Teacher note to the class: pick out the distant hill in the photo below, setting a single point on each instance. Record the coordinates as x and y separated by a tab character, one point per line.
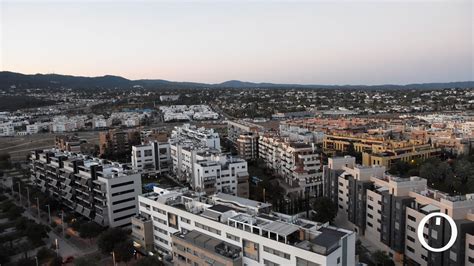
23	81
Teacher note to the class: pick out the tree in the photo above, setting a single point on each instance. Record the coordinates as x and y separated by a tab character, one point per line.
45	254
36	232
4	255
124	251
26	262
89	230
149	261
381	258
325	210
109	238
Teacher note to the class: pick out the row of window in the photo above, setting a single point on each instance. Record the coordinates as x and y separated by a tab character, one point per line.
207	228
276	252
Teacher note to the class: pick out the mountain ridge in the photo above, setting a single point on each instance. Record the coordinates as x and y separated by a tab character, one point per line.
8	79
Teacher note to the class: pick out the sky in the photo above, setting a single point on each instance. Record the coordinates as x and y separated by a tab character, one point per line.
310	42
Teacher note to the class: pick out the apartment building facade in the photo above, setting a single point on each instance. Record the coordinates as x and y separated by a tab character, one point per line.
239	127
102	191
393	208
153	157
183	221
298	164
117	143
222	173
247	146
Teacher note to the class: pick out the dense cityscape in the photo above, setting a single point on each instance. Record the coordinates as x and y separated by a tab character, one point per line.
236	133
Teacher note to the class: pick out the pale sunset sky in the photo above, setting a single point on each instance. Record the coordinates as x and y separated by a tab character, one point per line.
310	42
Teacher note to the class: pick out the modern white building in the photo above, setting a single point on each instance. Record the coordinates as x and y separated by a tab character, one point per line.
105	192
206	137
153	157
221	173
173	221
7	130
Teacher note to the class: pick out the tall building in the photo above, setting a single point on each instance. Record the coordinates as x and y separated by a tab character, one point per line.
153	157
247	146
388	211
222	229
298	164
102	191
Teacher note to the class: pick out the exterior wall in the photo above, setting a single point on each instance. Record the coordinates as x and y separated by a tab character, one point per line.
164	241
153	157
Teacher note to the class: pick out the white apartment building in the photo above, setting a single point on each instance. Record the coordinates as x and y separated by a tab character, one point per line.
221	173
298	164
173	222
100	122
300	134
102	191
206	137
152	157
7	130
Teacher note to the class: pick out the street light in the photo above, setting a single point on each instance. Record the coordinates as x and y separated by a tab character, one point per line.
28	195
19	192
113	257
62	220
57	247
36	259
49	213
38	206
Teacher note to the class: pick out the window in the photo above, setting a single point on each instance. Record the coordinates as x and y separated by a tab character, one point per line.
303	262
172	220
184	220
124	209
232	237
207	228
251	250
370	207
123	192
122	184
411	218
155	209
160	220
124	200
148	152
269	263
410	249
410	238
276	252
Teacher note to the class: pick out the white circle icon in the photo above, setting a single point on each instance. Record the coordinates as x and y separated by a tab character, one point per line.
454	231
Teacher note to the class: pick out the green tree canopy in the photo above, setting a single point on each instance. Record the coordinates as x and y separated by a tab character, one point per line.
109	238
325	210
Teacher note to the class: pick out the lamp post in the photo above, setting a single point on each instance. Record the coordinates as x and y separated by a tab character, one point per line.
19	192
49	213
57	247
36	259
38	206
62	220
113	257
28	197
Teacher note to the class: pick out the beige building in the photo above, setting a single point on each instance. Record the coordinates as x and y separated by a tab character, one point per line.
247	146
